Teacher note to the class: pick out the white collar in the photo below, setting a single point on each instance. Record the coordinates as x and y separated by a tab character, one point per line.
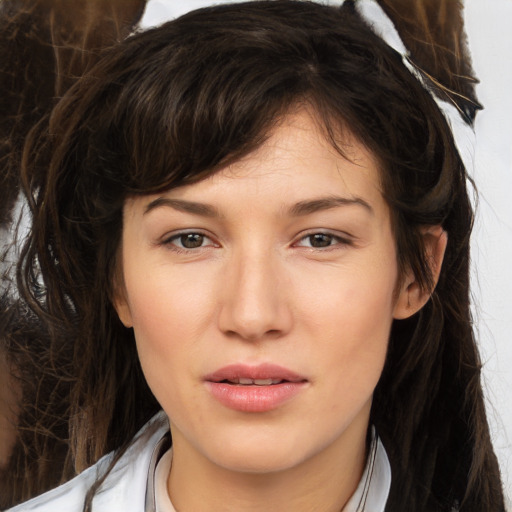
125	487
372	492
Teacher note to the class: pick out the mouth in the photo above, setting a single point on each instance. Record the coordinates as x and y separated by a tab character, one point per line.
260	375
244	381
254	388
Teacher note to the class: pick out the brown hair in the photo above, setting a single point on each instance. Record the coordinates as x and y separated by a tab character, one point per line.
45	46
169	107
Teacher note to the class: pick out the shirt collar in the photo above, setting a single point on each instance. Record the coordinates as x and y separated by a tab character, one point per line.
372	492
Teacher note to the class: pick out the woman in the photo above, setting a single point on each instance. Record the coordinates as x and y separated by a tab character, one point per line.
256	218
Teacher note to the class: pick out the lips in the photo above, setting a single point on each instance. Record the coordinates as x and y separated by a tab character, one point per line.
259	388
243	381
242	374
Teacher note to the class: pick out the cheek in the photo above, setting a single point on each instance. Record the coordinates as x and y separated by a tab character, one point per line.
170	311
360	332
350	314
355	352
166	301
354	301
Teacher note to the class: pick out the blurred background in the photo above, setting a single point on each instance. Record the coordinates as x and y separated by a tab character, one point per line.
490	42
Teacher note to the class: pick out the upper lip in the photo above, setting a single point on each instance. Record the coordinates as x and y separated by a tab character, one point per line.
233	372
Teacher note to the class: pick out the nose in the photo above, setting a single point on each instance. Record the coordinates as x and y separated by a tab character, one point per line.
255	305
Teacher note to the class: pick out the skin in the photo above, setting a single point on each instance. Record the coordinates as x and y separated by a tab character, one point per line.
257	290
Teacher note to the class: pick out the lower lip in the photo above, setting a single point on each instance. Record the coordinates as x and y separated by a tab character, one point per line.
254	398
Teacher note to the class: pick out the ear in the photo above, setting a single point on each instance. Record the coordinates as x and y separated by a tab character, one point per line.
121	305
123	311
412	297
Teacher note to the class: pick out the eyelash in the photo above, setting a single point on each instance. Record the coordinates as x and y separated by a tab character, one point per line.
334	241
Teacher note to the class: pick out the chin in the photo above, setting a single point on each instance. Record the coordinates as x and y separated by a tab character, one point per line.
262	451
258	461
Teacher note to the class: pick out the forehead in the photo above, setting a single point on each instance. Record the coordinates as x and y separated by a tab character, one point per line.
296	163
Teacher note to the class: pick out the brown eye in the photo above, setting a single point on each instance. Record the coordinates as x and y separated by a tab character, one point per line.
324	240
320	240
188	241
191	240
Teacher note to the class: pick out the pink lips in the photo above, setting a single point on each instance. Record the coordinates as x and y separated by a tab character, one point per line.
254	388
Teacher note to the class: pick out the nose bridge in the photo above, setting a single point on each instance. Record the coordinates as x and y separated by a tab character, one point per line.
254	304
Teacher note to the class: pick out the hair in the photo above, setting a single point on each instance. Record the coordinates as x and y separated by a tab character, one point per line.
41	397
171	106
45	46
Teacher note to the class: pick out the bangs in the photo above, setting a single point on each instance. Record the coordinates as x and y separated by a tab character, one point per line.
182	102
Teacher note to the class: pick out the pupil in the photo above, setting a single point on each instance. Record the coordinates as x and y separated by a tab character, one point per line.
192	240
320	240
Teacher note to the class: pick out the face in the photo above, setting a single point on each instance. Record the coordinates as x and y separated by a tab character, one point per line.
261	300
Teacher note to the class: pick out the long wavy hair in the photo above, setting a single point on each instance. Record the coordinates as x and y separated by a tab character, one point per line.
45	46
172	105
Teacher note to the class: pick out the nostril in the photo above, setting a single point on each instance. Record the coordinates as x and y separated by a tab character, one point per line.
254	336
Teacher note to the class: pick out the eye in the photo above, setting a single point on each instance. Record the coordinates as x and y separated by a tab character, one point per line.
188	241
322	240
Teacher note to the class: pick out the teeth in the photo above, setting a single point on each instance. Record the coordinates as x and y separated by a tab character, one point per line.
263	382
244	381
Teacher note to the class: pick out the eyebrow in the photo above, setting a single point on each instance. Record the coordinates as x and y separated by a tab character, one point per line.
299	209
325	203
203	209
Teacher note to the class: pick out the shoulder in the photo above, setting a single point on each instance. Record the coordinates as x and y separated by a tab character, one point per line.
125	487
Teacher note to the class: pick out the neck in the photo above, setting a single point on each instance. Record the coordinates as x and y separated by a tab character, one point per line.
321	483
